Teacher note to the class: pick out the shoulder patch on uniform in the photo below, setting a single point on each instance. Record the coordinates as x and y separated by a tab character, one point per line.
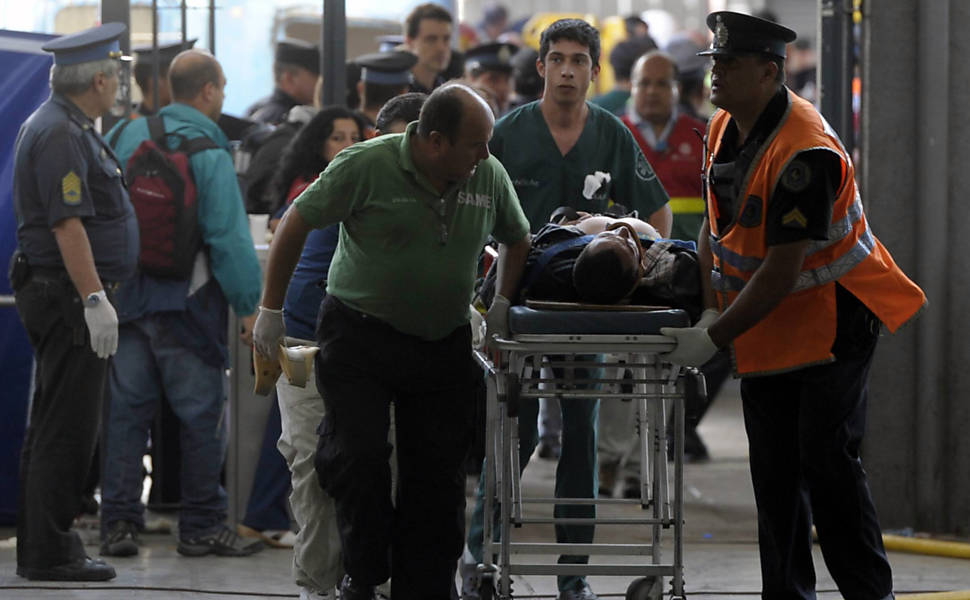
71	189
751	213
794	219
644	170
797	176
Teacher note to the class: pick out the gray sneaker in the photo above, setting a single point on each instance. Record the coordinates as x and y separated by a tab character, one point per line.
221	542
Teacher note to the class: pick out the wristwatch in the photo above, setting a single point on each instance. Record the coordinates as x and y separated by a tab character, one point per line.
92	300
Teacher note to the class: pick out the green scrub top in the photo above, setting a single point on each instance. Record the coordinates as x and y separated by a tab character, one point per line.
544	179
407	254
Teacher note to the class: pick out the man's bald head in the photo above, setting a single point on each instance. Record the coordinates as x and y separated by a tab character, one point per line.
448	107
189	73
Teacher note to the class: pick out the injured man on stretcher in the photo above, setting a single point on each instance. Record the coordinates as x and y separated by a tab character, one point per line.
606	260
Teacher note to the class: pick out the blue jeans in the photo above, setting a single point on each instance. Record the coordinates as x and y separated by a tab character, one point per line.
151	364
576	476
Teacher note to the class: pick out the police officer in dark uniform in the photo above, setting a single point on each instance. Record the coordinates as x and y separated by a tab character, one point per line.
296	67
490	66
383	75
77	239
145	60
802	287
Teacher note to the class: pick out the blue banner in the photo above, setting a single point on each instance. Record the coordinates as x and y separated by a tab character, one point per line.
24	72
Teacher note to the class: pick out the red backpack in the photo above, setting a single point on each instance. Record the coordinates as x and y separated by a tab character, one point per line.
162	190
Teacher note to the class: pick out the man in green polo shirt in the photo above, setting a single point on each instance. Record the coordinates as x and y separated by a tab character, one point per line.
415	210
564	151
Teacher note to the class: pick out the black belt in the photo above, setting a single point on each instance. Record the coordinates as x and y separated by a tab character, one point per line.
60	274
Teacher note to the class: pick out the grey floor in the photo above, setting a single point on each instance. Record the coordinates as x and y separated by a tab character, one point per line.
721	555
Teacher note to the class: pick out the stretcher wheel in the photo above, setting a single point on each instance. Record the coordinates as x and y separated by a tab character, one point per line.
486	587
645	588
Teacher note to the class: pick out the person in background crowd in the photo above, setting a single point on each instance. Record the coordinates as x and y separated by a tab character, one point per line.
525	78
399	112
296	67
172	338
308	154
77	239
427	33
622	58
693	89
316	551
799	287
495	20
144	76
565	150
383	75
636	27
490	66
802	70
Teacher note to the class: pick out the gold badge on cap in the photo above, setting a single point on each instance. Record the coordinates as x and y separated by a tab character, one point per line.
71	189
504	54
720	33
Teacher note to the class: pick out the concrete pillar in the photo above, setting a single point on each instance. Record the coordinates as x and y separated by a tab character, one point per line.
914	179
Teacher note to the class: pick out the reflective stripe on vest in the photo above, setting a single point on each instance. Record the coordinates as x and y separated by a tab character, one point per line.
809	277
687	206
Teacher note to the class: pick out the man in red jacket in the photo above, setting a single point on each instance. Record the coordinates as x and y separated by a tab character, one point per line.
667	139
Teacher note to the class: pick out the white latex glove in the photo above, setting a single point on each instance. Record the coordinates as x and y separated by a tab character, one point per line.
707	318
268	331
497	318
102	322
477	323
694	346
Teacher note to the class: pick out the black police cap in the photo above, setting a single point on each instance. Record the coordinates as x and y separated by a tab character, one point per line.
494	56
736	33
299	53
96	43
387	68
144	55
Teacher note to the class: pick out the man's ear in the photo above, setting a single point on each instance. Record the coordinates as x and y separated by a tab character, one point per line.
541	68
596	72
436	141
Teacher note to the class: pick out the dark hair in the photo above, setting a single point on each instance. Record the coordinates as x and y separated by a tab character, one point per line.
377	95
626	53
442	112
406	107
601	277
412	24
143	74
188	77
301	157
630	24
525	77
576	30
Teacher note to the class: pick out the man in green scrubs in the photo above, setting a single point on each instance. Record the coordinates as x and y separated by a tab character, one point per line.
564	151
415	210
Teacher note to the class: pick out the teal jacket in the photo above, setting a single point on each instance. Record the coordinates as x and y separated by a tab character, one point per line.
236	276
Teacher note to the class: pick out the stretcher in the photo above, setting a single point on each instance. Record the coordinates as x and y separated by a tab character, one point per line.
570	354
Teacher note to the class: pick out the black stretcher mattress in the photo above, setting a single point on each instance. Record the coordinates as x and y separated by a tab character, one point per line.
525	320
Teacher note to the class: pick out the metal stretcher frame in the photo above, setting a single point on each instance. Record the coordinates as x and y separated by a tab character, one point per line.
518	374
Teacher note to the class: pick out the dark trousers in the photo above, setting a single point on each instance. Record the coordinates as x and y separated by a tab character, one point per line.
64	418
364	365
804	432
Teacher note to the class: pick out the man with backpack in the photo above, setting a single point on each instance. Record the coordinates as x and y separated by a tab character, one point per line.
197	259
